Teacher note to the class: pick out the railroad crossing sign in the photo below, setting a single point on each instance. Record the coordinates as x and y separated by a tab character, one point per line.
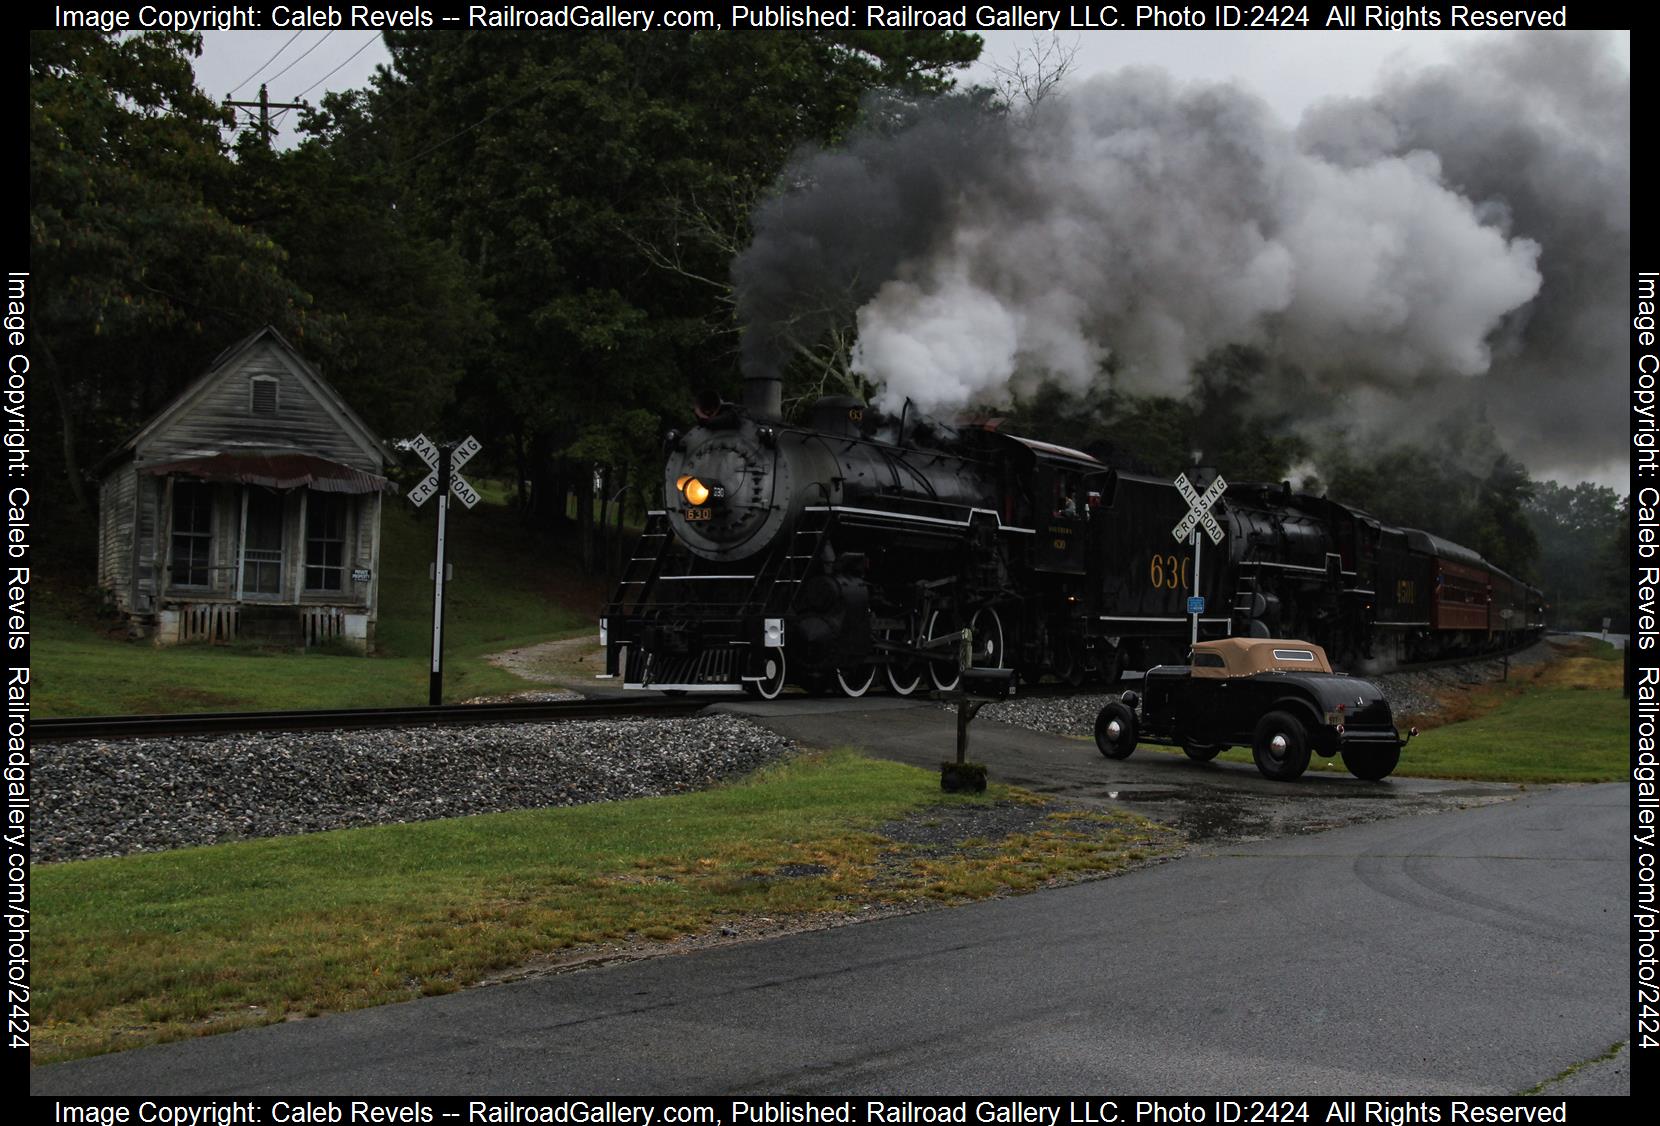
1198	516
444	463
1198	509
433	456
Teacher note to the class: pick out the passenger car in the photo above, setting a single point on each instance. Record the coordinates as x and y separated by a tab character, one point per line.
1278	697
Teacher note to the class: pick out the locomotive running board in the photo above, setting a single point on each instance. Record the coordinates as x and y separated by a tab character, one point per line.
918	518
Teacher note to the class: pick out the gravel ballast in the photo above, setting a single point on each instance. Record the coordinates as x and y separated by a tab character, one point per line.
96	798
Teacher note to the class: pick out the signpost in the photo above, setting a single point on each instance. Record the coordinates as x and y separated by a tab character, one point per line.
1187	528
445	462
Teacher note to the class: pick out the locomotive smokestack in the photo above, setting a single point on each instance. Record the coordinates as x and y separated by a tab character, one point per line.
764	397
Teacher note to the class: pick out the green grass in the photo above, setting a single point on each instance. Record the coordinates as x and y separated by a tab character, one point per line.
1550	735
509	589
157	947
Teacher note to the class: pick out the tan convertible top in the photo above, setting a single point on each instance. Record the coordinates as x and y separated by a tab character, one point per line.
1243	656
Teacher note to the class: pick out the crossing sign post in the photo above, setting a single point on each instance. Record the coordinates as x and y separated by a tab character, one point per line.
445	463
1187	528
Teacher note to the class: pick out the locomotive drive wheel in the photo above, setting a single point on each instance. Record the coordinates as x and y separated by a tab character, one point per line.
1115	731
1202	752
904	677
1371	763
944	675
772	672
855	680
1281	747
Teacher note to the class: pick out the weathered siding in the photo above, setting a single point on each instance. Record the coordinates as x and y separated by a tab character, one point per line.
221	416
147	558
115	534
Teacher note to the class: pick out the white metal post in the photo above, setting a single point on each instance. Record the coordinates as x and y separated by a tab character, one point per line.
1195	591
435	694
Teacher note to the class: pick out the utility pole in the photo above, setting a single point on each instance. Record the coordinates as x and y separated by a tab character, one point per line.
265	105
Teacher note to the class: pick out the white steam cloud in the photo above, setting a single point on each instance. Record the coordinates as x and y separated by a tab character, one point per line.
1156	223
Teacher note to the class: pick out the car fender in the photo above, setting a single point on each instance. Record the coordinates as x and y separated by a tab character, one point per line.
1304	708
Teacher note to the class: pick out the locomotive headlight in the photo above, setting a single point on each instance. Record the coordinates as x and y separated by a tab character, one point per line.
696	491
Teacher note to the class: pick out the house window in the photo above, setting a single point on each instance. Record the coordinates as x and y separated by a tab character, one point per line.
262	395
325	541
192	533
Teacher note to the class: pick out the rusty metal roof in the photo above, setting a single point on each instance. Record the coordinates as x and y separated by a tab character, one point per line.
275	471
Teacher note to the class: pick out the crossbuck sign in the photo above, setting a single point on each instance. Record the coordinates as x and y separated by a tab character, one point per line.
444	462
1198	509
1198	516
433	456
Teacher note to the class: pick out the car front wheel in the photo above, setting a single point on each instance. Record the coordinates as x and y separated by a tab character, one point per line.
1115	731
1281	747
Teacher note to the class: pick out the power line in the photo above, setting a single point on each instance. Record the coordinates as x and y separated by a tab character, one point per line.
349	58
537	89
303	54
263	65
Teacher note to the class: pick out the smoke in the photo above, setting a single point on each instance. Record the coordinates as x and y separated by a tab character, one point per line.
1537	130
1460	238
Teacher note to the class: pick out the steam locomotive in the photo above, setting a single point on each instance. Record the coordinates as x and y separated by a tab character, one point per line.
851	551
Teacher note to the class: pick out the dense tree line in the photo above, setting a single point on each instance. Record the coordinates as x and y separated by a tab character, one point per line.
530	238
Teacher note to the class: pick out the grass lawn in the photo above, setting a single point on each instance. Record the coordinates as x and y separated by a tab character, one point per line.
1564	721
194	941
508	590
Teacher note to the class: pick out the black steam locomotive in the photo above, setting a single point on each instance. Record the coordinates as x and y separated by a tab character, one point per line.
852	550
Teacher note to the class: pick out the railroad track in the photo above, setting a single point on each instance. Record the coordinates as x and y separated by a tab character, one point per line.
207	723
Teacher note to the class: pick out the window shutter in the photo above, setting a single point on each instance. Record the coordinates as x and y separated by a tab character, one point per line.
263	395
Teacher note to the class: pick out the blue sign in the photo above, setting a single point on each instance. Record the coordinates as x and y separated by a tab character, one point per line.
1196	605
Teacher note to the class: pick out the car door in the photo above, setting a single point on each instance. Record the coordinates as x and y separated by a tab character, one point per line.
1210	699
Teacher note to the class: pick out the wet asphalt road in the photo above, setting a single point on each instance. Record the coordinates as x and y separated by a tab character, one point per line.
1209	802
1478	947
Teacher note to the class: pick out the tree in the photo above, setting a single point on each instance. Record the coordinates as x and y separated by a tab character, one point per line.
562	169
1584	564
1459	485
138	275
1035	73
406	317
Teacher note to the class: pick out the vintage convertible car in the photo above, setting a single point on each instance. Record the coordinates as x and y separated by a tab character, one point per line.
1280	698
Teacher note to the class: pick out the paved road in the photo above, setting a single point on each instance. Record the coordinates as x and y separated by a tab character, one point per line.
1475	951
1211	802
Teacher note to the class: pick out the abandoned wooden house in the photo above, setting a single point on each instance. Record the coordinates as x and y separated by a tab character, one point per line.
248	508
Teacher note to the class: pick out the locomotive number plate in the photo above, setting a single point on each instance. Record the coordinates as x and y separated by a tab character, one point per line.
700	513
